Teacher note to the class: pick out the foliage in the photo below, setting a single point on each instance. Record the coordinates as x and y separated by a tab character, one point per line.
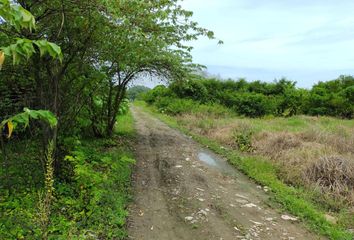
16	15
253	105
90	201
258	99
74	60
156	93
136	92
333	98
244	141
20	18
24	120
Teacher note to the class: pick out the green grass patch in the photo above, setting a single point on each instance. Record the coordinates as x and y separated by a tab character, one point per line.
91	195
294	200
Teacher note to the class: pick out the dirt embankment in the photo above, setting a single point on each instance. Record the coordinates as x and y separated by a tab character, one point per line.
183	191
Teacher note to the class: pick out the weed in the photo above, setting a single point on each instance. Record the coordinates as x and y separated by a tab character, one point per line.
332	174
243	138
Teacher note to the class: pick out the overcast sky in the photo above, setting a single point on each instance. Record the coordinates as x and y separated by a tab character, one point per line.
303	40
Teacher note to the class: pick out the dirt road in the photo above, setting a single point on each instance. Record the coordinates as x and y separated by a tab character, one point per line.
183	191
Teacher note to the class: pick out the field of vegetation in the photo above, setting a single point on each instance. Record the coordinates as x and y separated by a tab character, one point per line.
277	133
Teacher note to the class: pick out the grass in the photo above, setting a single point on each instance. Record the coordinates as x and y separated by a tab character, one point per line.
296	200
91	193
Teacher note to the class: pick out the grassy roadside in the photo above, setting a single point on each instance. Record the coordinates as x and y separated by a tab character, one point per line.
90	196
102	173
292	199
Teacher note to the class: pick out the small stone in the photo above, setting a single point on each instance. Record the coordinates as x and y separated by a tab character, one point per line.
266	189
242	201
241	196
202	212
257	223
287	217
178	166
152	228
201	199
188	159
200	189
330	218
141	213
188	218
250	205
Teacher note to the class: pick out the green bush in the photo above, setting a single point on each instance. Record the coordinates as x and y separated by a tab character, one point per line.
257	99
254	105
175	106
192	89
157	92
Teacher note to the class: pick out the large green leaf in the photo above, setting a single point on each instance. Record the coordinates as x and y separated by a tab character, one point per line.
22	119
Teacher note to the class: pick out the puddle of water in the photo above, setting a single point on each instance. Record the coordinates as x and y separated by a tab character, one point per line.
242	181
204	157
217	163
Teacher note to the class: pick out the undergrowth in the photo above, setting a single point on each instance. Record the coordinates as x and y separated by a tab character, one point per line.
89	202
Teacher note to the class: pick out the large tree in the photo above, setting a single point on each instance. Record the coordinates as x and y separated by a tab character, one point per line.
106	44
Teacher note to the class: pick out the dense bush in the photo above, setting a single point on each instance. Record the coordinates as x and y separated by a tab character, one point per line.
158	92
136	92
253	105
190	89
257	99
333	98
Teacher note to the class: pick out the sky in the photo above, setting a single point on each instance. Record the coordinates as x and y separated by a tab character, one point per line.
303	40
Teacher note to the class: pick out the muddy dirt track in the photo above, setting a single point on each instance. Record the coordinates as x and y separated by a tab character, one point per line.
183	191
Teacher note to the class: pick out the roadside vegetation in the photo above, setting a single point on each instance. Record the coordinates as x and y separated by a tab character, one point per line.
307	160
90	195
65	128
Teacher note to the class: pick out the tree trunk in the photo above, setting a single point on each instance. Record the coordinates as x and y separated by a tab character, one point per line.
117	101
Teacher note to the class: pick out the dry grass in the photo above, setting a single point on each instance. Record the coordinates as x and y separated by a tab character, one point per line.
309	151
334	175
314	158
274	144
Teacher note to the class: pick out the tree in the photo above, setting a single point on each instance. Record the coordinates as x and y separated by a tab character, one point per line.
136	92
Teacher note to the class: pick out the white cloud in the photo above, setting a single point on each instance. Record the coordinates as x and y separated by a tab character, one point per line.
295	37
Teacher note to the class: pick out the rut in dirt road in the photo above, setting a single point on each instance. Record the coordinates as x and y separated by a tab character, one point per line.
182	191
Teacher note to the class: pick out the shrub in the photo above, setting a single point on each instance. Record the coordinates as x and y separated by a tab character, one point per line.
178	106
158	92
243	138
254	105
332	174
192	89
